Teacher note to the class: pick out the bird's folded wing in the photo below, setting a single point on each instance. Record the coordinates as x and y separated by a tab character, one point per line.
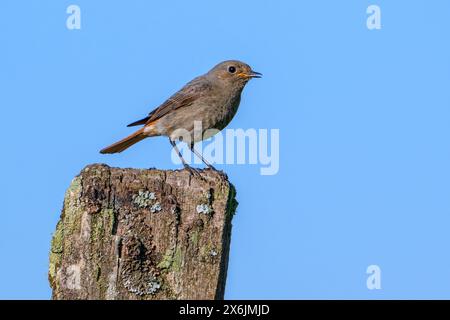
183	98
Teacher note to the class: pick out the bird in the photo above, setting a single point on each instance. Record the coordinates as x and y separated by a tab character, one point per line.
212	99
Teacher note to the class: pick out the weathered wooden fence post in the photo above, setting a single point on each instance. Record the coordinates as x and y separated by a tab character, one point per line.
142	234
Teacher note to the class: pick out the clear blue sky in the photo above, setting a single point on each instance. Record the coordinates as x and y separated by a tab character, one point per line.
364	119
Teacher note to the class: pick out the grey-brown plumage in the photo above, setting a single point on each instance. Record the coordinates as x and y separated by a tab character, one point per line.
211	99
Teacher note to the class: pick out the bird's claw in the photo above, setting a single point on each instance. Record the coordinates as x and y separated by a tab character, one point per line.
194	172
212	168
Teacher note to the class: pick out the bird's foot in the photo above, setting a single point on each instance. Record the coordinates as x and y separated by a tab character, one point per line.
221	173
212	168
194	172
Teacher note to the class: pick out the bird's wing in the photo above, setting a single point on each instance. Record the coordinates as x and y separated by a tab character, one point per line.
183	98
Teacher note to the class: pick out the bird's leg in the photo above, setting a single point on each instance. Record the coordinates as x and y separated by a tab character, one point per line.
191	146
186	166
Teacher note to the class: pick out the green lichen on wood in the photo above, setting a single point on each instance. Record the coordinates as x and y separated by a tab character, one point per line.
68	224
56	251
100	282
167	260
172	260
97	229
57	239
177	260
101	227
102	224
72	214
194	237
72	221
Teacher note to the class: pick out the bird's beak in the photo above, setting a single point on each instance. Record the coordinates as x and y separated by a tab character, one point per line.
254	74
251	74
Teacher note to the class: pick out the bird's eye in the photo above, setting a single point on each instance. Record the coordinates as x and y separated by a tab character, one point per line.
231	69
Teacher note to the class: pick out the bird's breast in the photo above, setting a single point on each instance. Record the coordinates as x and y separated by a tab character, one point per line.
224	113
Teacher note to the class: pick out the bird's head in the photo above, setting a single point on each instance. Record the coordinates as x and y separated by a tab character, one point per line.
234	72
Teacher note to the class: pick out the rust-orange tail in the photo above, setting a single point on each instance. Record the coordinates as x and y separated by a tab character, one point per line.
125	143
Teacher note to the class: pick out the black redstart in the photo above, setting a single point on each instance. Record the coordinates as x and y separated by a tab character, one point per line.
211	99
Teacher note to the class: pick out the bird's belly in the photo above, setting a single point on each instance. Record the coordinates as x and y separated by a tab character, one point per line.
215	120
200	122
